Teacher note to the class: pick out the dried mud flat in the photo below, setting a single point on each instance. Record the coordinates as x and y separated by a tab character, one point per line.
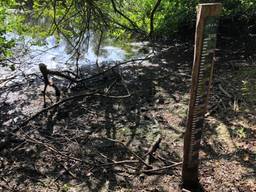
101	143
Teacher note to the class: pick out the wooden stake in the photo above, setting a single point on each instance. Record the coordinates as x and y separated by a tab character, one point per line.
205	43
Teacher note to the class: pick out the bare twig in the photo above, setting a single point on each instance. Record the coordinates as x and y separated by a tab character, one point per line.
154	146
51	148
161	168
134	154
113	67
224	91
69	99
55	105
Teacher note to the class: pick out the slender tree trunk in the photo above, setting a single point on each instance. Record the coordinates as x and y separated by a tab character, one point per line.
151	32
98	49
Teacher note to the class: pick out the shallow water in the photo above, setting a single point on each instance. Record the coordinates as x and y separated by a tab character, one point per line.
59	55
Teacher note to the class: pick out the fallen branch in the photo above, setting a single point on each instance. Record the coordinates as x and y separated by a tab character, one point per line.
134	154
113	162
164	160
113	67
154	146
69	99
32	140
119	163
224	91
54	105
161	168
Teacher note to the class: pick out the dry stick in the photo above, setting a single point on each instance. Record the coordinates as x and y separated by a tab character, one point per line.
55	105
154	146
134	154
32	140
113	162
119	162
161	168
44	51
159	157
109	88
45	71
66	169
224	91
152	149
69	99
111	68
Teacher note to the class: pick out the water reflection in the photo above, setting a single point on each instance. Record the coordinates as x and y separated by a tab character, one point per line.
58	54
55	54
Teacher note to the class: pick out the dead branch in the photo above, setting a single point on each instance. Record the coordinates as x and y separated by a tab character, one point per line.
154	146
119	162
113	67
68	170
224	91
161	168
69	99
51	148
113	162
55	105
134	154
45	71
158	156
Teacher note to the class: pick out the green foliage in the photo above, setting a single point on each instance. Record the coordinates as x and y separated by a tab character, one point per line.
118	18
175	15
5	45
245	8
239	132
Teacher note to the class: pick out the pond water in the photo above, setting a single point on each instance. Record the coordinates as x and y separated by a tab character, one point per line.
59	55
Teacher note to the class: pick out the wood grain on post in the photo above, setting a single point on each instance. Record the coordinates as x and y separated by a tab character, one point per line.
199	93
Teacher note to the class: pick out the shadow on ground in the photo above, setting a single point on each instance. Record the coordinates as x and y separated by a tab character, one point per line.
98	143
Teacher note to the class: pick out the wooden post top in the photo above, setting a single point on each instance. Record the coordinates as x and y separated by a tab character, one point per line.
210	4
210	9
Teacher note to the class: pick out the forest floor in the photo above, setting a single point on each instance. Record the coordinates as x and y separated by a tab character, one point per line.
100	142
